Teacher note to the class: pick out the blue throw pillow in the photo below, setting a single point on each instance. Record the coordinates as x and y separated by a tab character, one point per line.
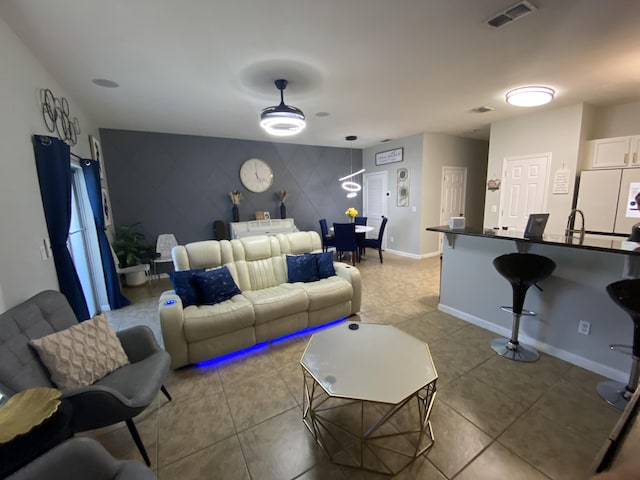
185	286
325	264
302	268
216	285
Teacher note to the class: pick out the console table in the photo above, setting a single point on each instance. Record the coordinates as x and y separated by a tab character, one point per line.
262	227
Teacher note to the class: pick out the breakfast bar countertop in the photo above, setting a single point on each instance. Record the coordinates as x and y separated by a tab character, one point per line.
590	242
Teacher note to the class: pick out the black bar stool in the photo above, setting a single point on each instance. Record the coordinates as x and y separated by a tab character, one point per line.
521	270
626	294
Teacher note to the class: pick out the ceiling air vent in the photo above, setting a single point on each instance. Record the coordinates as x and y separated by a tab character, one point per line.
512	13
483	109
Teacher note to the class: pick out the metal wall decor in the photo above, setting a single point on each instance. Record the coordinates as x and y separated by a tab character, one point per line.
402	178
55	113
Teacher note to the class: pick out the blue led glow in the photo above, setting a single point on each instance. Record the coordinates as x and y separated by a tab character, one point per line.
261	346
169	302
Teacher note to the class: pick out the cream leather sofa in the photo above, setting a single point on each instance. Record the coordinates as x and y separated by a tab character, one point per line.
269	307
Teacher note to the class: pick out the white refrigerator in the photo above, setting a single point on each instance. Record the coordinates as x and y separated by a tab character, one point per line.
607	199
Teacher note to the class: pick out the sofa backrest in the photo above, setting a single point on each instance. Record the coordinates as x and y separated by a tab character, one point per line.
44	313
255	262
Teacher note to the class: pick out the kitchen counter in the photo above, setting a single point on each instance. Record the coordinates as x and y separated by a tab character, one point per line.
472	289
590	242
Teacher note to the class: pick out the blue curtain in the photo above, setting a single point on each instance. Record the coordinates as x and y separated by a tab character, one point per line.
91	172
54	173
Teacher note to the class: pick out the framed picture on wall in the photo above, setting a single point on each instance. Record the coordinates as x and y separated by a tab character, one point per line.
96	154
106	207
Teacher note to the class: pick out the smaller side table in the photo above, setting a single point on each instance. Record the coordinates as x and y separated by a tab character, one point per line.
32	422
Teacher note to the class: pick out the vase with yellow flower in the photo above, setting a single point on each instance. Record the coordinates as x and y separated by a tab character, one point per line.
351	213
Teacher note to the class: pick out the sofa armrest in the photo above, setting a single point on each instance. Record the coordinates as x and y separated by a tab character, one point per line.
172	326
352	274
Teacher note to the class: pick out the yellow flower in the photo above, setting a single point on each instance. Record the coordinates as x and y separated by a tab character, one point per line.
352	212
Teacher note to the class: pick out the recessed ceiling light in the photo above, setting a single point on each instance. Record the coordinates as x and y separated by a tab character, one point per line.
530	96
322	114
103	82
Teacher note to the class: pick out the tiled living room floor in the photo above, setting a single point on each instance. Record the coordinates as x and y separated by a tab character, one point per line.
492	419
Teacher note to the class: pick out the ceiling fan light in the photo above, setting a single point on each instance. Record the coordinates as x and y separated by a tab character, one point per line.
530	96
282	120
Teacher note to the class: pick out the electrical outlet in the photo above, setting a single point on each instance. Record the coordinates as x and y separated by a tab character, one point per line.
584	327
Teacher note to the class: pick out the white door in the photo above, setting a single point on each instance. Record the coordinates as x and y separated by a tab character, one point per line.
453	194
524	191
374	202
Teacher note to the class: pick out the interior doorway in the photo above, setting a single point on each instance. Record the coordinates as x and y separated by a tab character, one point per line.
453	195
524	189
374	204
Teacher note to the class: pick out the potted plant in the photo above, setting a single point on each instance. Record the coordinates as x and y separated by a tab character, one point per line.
132	251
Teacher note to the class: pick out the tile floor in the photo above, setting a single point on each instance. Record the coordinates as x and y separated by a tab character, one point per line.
492	418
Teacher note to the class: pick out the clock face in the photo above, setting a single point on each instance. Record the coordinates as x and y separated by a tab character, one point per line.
256	175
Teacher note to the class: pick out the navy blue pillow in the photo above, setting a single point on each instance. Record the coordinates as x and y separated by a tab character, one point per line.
302	268
325	264
216	285
184	283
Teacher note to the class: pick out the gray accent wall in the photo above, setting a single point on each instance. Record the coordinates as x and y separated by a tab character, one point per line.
180	184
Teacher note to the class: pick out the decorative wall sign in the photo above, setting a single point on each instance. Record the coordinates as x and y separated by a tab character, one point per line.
55	113
390	156
96	154
402	179
561	182
493	185
106	207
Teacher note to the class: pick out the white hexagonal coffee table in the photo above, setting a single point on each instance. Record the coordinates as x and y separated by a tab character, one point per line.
368	393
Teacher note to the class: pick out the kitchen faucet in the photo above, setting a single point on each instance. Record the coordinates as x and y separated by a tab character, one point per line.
570	231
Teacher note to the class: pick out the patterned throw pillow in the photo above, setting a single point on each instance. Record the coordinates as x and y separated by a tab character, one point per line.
82	354
302	268
325	264
216	285
185	285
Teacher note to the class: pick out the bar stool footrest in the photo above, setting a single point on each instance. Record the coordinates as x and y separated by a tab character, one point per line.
525	313
620	348
520	353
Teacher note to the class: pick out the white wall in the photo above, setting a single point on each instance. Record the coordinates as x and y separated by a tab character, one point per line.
22	271
403	225
557	131
446	150
616	121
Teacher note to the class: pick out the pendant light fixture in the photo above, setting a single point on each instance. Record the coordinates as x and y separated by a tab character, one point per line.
349	185
282	120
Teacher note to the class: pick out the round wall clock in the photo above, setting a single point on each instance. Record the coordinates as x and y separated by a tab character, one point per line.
256	175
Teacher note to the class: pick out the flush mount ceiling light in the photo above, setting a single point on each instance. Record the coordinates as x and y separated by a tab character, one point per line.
530	96
282	120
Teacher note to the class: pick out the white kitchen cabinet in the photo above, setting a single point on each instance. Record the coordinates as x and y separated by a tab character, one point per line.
618	152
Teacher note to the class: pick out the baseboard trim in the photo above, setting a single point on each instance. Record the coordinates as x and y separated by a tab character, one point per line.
580	361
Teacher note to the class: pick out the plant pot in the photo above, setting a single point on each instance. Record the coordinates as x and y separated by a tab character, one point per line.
135	279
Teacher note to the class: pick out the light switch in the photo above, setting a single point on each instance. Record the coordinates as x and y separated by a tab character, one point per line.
414	209
43	252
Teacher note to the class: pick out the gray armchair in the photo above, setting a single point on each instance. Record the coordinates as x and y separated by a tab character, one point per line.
118	397
80	458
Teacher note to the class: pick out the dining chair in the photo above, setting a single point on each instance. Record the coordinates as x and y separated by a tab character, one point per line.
360	236
164	245
377	242
345	240
328	239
